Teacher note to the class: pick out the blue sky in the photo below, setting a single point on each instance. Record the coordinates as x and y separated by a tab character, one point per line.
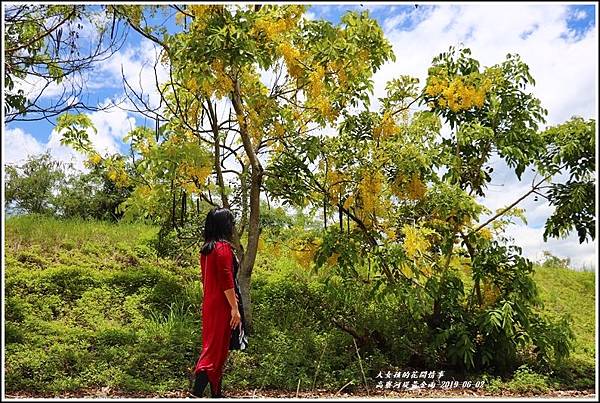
558	42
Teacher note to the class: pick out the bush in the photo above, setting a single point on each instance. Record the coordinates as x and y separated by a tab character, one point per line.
526	380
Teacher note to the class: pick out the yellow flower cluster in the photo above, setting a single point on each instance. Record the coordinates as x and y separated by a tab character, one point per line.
144	148
271	28
95	159
323	105
335	180
255	125
278	129
489	293
412	188
390	233
202	12
315	82
189	171
414	241
416	188
369	189
426	269
190	187
304	252
362	56
192	84
333	259
486	234
206	88
291	55
348	202
317	99
223	84
386	128
143	191
460	93
119	177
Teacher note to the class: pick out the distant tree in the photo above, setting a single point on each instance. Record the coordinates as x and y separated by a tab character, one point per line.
91	195
31	187
553	261
43	185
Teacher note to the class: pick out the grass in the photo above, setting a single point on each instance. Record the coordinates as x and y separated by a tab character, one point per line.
50	232
572	292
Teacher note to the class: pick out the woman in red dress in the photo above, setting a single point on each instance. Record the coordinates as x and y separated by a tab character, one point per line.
220	313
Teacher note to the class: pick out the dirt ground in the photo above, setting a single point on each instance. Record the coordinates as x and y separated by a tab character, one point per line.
317	394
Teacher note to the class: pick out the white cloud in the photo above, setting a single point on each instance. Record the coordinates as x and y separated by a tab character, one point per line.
531	240
33	86
579	15
309	15
391	22
17	145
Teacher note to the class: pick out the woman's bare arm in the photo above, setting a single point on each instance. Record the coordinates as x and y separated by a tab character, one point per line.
235	313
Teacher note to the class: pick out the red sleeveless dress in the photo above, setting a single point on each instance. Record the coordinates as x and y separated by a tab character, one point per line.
217	276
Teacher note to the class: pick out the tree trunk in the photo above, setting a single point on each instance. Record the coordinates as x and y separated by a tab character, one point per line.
256	177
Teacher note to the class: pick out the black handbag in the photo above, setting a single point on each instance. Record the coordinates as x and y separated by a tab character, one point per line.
239	336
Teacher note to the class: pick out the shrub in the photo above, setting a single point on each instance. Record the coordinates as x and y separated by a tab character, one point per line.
525	380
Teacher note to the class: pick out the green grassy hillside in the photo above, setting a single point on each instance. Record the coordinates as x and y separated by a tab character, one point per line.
572	292
90	304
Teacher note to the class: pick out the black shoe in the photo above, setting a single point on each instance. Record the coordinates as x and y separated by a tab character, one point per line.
216	394
200	384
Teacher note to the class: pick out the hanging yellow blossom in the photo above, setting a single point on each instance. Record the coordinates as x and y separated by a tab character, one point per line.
406	270
426	269
315	82
459	93
291	56
369	190
415	243
416	188
223	84
323	106
333	259
202	13
348	202
279	129
95	159
119	177
489	293
390	233
192	172
271	28
386	128
486	234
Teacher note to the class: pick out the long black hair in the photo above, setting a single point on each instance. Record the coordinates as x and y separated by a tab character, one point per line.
217	227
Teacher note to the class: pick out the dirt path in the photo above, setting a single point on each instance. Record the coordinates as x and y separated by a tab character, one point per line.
317	394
